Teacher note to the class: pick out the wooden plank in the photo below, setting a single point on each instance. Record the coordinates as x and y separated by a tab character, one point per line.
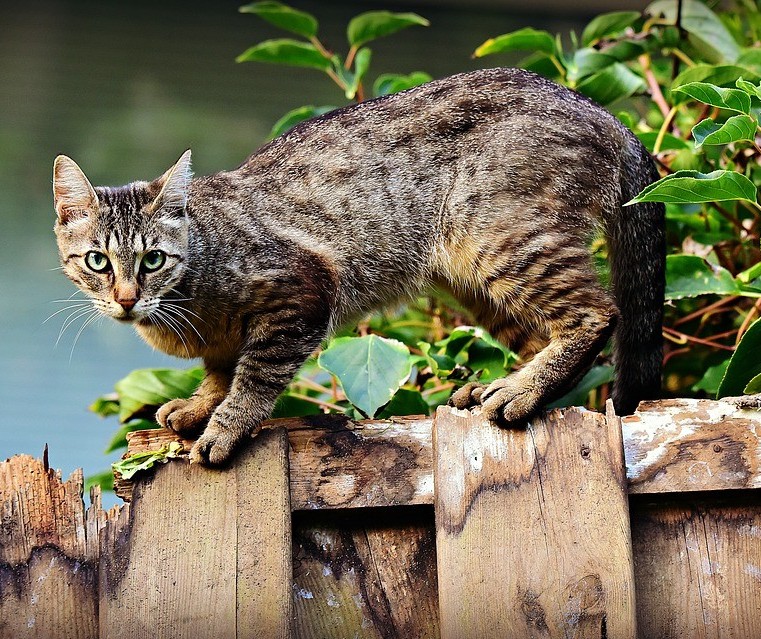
698	569
365	574
185	562
683	445
264	538
532	528
670	446
48	553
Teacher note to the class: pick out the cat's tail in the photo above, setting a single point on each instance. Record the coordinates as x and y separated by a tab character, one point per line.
637	246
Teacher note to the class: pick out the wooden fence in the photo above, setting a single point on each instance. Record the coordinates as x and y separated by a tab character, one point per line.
582	525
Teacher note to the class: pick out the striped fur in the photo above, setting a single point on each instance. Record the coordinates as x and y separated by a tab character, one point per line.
491	184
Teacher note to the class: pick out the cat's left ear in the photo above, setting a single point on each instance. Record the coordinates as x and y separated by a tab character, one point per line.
173	187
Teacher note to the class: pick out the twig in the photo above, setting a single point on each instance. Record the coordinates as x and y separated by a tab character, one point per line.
707	309
653	85
681	338
746	322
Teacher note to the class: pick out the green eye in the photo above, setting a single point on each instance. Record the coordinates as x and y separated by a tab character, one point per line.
97	262
153	261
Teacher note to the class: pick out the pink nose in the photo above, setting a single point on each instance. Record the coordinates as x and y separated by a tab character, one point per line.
127	304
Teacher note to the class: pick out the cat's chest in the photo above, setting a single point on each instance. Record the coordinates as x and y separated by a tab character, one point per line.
199	339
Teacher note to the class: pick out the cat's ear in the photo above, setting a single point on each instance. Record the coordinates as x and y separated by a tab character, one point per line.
173	186
73	195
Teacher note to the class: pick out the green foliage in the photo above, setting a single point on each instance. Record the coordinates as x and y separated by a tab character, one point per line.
347	72
128	466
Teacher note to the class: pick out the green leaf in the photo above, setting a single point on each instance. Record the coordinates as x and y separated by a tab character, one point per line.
406	401
119	438
723	98
488	361
586	62
289	406
376	24
691	276
753	386
388	83
527	39
149	387
615	82
749	88
441	364
285	17
692	186
738	127
608	24
293	117
748	275
595	377
711	380
669	141
722	76
706	31
143	461
361	65
751	59
105	480
370	369
106	405
288	52
624	50
744	365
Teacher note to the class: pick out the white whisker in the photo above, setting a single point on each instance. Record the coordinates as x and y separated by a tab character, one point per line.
77	305
75	315
172	325
95	315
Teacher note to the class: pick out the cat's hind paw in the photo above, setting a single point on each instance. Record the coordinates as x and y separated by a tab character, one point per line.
467	396
507	402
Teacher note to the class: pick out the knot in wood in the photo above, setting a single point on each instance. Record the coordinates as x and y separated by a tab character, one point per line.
585	451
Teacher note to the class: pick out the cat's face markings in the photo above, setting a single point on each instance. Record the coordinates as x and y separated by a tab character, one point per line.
124	247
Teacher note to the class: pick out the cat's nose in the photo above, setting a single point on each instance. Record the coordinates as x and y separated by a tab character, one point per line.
127	304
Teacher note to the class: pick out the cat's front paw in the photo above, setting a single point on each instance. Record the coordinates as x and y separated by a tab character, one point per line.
509	402
467	396
186	417
216	445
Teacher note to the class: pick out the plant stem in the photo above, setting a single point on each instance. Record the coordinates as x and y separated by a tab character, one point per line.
652	83
664	129
350	58
707	309
682	338
319	402
746	322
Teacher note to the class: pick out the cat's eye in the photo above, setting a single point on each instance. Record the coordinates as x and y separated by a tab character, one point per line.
153	261
97	262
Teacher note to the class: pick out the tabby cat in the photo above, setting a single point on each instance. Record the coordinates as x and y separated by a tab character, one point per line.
489	184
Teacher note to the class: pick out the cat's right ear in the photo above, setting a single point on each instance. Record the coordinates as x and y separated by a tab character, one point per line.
73	195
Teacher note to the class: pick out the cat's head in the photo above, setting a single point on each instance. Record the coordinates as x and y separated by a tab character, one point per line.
124	247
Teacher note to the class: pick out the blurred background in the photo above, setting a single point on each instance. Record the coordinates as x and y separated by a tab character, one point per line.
124	88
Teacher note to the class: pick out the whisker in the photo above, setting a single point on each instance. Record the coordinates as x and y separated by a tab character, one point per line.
95	315
73	318
181	310
171	324
78	306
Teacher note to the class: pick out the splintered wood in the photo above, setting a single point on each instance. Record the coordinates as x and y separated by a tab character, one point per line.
531	528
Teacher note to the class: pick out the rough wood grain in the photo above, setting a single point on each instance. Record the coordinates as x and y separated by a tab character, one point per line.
670	446
698	569
365	574
531	528
201	553
48	553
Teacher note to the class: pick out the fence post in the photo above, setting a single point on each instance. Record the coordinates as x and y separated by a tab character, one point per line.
204	554
532	528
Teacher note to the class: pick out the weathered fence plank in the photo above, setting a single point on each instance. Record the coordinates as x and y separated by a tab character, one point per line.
531	528
48	554
670	446
698	568
365	576
204	554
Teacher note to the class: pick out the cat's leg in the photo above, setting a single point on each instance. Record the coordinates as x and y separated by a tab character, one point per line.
578	321
187	416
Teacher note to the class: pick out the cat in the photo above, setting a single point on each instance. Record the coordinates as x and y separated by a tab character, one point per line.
490	184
